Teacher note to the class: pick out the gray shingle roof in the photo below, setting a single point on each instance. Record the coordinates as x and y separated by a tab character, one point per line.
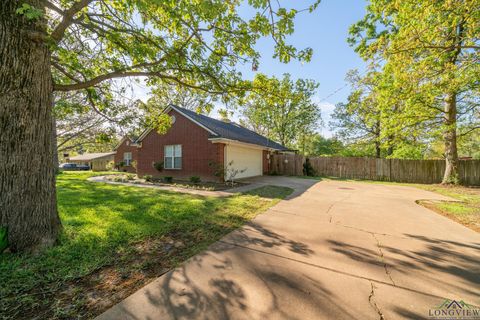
91	156
231	130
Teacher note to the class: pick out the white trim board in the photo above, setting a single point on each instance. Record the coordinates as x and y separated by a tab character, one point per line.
241	144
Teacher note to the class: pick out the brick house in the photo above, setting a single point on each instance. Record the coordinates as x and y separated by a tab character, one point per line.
126	154
194	146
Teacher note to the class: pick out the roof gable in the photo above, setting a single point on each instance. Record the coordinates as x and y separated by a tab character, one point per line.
125	138
230	130
221	129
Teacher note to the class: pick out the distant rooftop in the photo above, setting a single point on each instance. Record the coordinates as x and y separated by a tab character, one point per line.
91	156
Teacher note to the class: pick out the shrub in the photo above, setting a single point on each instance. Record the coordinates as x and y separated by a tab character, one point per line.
218	169
110	166
231	172
119	164
148	178
168	179
308	169
130	176
195	179
158	166
134	164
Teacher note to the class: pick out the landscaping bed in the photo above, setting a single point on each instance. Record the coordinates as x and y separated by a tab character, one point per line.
197	184
115	240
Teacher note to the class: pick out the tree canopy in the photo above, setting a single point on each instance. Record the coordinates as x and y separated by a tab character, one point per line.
197	44
187	51
429	55
282	109
92	47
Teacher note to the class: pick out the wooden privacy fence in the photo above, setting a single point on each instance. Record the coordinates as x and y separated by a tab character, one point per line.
397	170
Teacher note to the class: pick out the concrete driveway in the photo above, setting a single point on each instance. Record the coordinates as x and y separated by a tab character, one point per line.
333	250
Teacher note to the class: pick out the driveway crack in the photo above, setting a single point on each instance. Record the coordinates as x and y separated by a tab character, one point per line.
373	303
372	232
382	257
333	204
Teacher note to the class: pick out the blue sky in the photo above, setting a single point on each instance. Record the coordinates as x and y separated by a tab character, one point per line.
325	31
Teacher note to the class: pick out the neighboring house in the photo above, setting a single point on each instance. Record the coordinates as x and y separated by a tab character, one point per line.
195	145
126	155
96	161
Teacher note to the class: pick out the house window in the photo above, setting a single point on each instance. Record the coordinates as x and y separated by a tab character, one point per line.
173	157
127	158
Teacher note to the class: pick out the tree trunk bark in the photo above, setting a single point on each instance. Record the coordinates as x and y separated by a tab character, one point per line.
378	145
27	179
390	145
55	145
378	150
450	140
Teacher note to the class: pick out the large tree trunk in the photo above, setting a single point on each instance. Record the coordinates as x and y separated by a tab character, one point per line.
378	144
378	150
56	163
27	179
450	140
390	145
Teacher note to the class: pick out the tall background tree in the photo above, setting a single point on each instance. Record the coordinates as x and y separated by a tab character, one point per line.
431	49
368	122
52	46
282	109
316	145
81	127
359	120
191	99
163	95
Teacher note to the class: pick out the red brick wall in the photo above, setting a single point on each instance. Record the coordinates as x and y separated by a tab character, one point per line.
197	151
126	147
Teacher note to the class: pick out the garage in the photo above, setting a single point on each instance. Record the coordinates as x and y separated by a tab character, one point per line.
248	159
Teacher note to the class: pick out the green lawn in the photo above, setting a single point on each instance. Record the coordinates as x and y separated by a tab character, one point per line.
466	210
116	239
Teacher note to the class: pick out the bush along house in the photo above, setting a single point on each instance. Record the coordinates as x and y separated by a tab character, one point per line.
197	145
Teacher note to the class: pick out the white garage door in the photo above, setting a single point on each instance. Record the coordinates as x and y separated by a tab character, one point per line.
244	158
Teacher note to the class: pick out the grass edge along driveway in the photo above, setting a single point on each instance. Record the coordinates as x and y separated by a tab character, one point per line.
116	239
465	210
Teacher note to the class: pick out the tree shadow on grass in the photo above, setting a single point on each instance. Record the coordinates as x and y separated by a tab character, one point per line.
103	226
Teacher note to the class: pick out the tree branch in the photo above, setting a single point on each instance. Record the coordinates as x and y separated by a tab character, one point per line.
78	133
468	131
68	15
124	74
